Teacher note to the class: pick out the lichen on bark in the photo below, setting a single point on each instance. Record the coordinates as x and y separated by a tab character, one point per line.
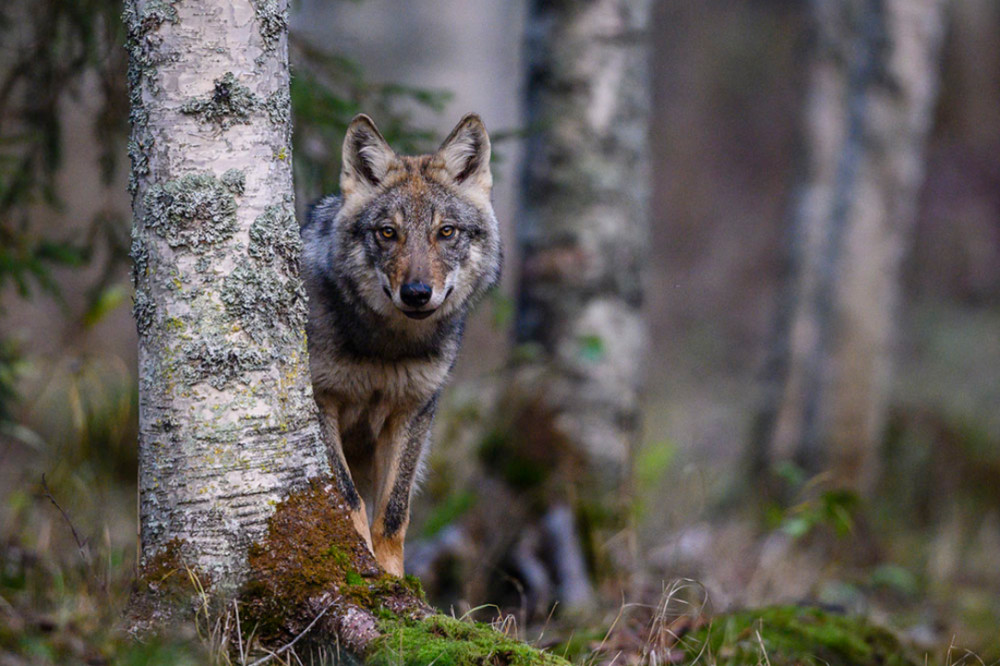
278	106
275	233
230	102
142	67
143	310
195	211
219	363
257	297
272	21
235	180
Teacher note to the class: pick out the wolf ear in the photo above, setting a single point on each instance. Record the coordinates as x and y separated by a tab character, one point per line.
465	154
367	158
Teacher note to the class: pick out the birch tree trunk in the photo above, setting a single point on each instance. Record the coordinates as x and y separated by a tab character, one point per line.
227	424
873	83
235	486
583	233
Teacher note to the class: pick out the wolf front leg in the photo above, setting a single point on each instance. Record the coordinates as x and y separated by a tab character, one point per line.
397	461
335	449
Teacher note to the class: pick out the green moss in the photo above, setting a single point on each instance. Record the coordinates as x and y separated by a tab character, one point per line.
446	641
341	558
311	551
796	636
166	581
311	554
195	211
229	103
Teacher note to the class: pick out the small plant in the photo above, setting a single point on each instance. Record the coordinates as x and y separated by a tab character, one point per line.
814	506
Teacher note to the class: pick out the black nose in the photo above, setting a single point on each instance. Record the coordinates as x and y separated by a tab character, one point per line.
415	294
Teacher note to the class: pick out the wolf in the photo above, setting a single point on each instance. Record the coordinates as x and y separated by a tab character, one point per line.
392	267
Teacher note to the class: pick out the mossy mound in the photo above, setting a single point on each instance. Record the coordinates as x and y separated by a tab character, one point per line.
310	551
795	636
446	641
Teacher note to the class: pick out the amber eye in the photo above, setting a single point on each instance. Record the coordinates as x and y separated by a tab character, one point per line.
447	231
387	233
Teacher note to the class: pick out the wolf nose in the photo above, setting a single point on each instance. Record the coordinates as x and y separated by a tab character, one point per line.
415	294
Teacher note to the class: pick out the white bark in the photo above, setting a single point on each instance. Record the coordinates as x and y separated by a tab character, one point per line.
873	84
227	419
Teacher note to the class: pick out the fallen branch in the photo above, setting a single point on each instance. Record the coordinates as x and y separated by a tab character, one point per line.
81	544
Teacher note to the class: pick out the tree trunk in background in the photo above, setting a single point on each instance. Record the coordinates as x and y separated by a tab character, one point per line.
235	485
873	83
583	234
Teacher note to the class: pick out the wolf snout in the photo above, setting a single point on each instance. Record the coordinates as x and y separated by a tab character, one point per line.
415	294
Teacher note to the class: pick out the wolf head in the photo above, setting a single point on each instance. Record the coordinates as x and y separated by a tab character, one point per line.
417	235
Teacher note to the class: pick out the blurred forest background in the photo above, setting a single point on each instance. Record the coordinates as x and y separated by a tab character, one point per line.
917	549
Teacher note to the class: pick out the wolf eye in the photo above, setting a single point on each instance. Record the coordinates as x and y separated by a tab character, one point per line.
387	233
447	231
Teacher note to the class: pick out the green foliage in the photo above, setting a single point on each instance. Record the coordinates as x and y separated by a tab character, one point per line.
832	508
447	512
328	90
651	464
814	506
896	578
503	308
592	348
63	605
50	46
498	452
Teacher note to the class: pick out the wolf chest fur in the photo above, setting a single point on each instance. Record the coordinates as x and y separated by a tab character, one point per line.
392	266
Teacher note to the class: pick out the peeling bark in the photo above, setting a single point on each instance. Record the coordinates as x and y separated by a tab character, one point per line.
873	83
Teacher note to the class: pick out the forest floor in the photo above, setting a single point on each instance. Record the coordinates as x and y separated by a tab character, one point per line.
827	580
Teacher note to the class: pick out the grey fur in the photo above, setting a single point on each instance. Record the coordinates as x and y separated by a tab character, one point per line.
376	371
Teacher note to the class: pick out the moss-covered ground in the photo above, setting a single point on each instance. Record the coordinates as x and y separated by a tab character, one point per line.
794	636
448	641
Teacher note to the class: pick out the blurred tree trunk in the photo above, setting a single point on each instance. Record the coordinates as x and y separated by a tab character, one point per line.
573	401
873	83
235	487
